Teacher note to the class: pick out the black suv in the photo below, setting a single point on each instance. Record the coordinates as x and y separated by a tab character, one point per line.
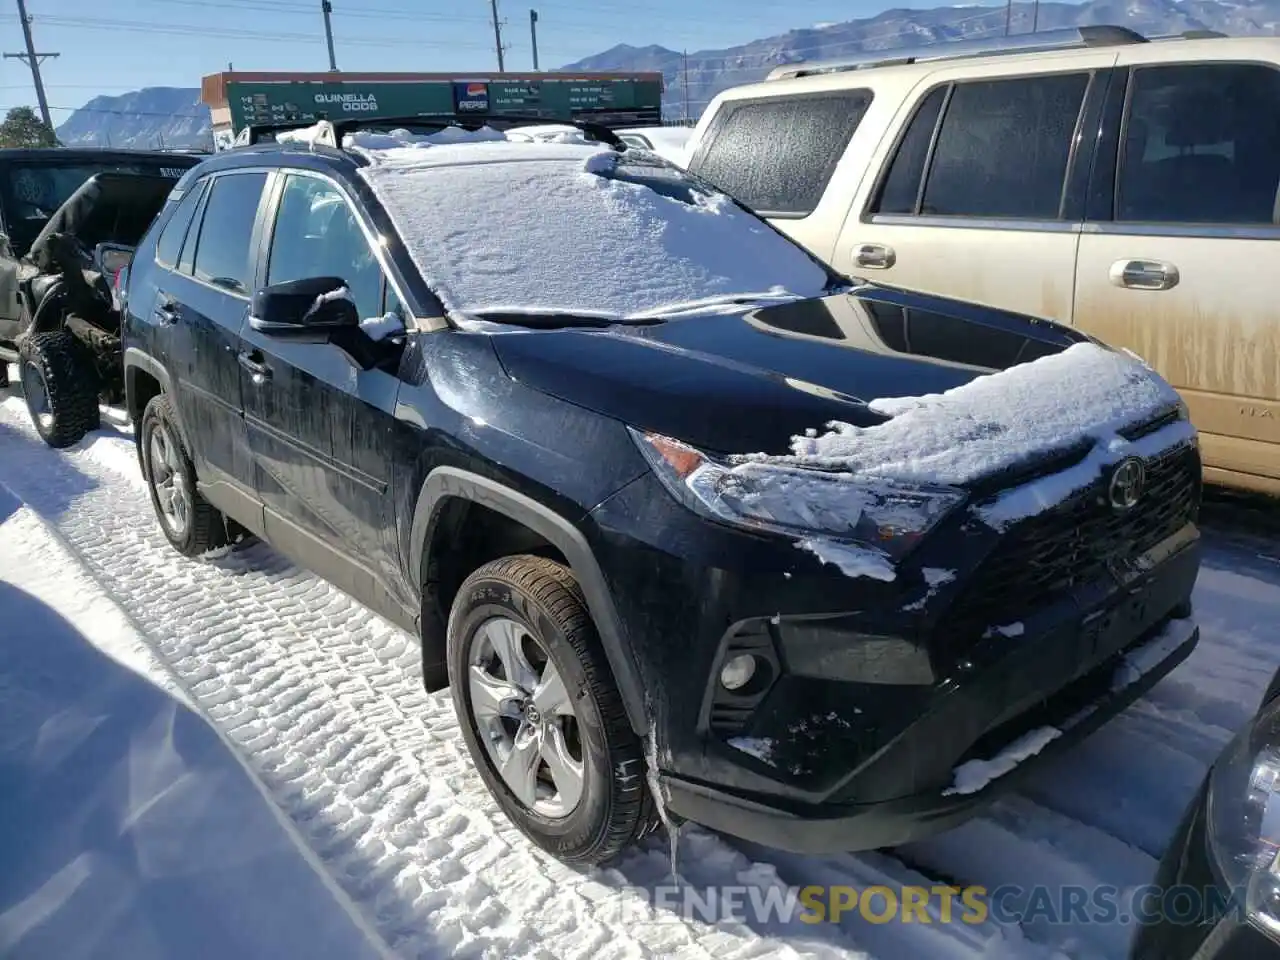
495	392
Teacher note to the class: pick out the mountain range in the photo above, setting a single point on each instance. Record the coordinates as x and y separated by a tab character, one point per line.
174	117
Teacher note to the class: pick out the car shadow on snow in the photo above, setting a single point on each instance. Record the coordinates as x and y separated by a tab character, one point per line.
127	827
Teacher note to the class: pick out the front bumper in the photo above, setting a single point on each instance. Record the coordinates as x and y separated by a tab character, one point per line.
892	822
874	693
1190	915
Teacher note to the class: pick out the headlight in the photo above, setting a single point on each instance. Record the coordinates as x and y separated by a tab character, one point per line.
1244	818
885	517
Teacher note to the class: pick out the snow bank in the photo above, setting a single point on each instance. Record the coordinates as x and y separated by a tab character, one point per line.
534	227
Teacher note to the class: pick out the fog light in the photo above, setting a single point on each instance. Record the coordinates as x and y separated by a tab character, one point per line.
738	671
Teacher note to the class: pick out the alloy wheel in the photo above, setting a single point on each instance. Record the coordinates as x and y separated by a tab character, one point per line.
524	715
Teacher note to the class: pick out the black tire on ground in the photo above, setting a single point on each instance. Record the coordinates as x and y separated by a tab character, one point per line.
543	599
4	372
60	385
195	526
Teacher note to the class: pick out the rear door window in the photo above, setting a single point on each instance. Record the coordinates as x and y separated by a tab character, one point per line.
777	155
1201	144
1003	147
224	249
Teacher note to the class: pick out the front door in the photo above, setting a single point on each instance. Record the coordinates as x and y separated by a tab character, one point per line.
1185	271
205	303
972	202
320	427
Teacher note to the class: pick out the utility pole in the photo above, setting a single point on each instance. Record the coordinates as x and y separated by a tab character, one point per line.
1035	15
33	60
327	8
1008	16
684	83
497	34
533	33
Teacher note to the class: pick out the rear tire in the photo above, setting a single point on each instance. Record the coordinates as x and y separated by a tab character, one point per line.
519	631
189	522
60	386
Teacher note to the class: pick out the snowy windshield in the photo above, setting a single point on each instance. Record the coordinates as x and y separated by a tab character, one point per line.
572	228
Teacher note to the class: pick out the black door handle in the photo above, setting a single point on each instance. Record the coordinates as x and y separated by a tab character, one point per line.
167	311
253	363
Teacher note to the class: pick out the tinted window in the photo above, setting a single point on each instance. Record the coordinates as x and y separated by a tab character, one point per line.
169	247
223	251
1003	148
776	156
902	186
1201	144
317	235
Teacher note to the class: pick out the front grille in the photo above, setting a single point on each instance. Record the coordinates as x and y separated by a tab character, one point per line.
1046	556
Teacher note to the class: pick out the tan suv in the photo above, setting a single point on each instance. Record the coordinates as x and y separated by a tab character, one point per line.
1122	185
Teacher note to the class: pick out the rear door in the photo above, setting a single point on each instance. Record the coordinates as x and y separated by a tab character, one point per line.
321	428
205	302
974	201
1181	256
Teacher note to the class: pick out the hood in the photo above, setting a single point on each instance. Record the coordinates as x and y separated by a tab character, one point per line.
748	383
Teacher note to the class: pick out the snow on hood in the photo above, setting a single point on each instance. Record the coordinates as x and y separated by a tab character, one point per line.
545	227
1001	421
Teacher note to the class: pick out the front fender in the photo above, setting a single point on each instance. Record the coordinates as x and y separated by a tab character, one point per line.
444	483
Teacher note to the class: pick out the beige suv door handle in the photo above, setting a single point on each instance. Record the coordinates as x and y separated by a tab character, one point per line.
874	256
1144	274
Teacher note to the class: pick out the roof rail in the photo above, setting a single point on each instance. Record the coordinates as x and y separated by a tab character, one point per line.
331	133
1068	38
1190	35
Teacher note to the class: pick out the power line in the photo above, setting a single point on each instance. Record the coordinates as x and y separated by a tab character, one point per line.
33	60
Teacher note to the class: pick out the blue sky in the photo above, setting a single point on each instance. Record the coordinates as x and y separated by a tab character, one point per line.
126	44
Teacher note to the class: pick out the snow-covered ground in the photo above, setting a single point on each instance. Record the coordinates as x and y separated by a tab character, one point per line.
231	758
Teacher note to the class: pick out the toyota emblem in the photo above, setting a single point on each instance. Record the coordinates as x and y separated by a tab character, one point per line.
1127	481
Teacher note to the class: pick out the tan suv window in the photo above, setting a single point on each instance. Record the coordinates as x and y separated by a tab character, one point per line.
1201	144
776	155
1003	148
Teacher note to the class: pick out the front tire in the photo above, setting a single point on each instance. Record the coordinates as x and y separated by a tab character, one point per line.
189	522
60	387
540	713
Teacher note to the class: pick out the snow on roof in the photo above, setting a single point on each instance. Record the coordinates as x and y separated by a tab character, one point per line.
545	227
1001	421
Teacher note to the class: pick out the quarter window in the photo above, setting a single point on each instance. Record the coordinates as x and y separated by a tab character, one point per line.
224	251
169	246
776	156
317	235
1001	152
1201	144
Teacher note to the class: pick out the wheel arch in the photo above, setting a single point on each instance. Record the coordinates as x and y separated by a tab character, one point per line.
139	368
447	484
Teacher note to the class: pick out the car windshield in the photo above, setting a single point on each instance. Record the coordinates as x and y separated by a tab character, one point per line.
502	228
32	192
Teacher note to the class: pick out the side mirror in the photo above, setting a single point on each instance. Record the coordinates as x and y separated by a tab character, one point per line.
310	310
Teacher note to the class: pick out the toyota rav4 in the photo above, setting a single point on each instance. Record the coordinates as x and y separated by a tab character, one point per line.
691	527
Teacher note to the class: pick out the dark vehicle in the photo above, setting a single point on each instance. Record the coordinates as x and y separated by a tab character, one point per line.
71	219
1217	891
453	381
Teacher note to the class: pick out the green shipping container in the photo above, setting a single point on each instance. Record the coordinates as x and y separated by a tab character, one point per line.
618	102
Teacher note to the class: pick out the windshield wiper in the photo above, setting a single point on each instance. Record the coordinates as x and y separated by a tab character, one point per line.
554	321
711	303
